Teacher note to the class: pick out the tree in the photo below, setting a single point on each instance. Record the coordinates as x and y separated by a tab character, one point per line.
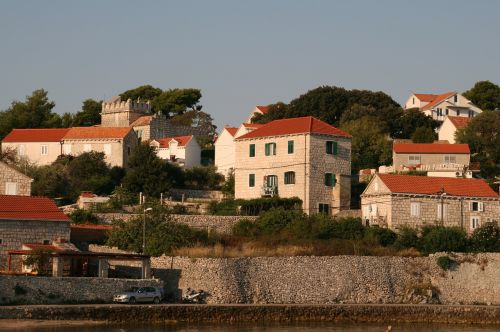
177	101
89	115
410	121
149	174
370	146
485	95
203	177
423	135
143	92
482	135
34	112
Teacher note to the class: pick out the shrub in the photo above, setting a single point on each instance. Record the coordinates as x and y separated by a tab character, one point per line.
486	238
346	228
245	228
407	237
19	290
225	208
438	238
80	216
383	236
179	209
445	262
275	220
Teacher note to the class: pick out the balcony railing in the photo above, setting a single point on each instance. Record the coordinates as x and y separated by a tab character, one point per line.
269	191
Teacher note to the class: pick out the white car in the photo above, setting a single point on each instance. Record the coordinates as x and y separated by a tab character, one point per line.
140	294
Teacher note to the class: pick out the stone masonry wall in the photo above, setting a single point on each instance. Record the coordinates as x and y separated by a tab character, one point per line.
214	195
40	290
219	224
334	279
8	174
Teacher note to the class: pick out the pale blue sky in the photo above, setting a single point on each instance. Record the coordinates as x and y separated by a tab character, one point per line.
244	53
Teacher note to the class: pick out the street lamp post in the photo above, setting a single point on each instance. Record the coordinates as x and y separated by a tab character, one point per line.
144	229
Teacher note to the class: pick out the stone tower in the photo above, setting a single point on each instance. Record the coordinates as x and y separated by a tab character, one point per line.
118	113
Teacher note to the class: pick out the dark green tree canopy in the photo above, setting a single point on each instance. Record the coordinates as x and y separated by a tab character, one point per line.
89	115
410	121
423	135
485	95
143	92
177	101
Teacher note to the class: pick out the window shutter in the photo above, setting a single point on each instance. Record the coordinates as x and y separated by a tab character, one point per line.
480	206
335	148
334	179
470	206
252	150
290	147
439	211
267	147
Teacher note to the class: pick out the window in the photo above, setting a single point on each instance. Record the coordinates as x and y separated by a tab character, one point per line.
444	213
324	208
10	188
455	98
271	180
107	149
331	147
413	101
471	114
21	150
44	149
475	222
290	147
87	147
289	177
330	179
139	134
251	180
458	112
415	209
67	149
450	159
476	206
252	150
446	111
413	159
270	149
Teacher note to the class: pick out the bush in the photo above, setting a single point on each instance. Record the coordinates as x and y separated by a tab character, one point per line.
245	228
486	238
438	238
383	236
445	262
179	209
80	216
275	220
225	208
347	229
407	237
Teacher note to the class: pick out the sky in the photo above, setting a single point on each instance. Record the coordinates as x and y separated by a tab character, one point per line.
244	53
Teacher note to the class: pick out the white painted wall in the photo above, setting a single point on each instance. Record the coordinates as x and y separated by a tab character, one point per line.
224	152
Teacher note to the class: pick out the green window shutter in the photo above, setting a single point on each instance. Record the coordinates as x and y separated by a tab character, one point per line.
335	148
252	150
328	179
329	147
290	147
274	148
334	180
267	148
251	180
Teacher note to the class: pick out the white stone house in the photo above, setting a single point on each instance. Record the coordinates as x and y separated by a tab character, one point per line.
38	146
14	182
224	150
450	125
395	201
448	160
182	150
298	157
117	143
442	105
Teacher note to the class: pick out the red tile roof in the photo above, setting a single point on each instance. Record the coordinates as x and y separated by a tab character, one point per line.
30	208
425	97
142	121
36	135
92	226
97	132
459	122
439	98
44	247
252	125
291	126
430	148
263	109
412	184
183	140
231	130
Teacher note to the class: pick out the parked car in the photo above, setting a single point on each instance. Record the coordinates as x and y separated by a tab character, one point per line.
140	295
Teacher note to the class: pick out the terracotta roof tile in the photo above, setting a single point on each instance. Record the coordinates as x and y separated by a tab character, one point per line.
142	121
30	208
430	148
183	140
97	132
263	109
439	98
36	135
291	126
459	122
231	130
412	184
43	247
252	125
425	97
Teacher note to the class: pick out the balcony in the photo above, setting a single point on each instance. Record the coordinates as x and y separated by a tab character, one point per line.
269	191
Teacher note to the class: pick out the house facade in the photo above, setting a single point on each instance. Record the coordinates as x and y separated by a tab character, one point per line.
38	146
13	182
182	150
438	106
450	125
396	201
299	157
224	150
434	158
29	220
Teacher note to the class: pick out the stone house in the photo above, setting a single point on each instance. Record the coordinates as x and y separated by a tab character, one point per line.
182	150
38	146
450	160
117	143
26	219
394	201
298	157
450	126
13	182
442	105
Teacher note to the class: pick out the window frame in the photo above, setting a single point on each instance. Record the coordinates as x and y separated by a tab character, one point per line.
44	149
414	156
270	149
479	206
289	177
331	148
450	157
415	209
322	207
473	221
445	211
330	179
9	186
291	147
251	180
251	150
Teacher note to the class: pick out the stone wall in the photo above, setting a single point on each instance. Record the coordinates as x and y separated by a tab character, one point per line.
334	279
38	290
189	194
9	174
219	224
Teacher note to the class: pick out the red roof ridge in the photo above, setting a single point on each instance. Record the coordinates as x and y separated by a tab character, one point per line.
459	122
439	98
182	140
35	135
